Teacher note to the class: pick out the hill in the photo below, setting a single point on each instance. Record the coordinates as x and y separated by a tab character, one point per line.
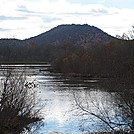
12	42
52	44
76	34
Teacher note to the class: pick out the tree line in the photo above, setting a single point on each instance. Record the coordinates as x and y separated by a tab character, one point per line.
114	59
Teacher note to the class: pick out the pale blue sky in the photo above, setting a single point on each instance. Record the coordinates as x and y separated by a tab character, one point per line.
108	3
26	18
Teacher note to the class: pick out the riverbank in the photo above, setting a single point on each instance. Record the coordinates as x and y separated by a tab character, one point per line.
14	63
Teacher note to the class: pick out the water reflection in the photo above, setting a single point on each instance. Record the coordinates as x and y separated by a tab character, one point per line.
63	98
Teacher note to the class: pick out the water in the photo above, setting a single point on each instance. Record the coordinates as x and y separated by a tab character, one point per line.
63	98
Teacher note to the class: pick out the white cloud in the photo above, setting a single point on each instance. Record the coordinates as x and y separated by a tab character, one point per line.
26	18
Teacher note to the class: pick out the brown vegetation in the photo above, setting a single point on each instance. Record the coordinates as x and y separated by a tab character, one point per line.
114	59
17	105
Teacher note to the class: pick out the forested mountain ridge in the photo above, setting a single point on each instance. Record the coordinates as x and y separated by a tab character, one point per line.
52	44
10	42
76	34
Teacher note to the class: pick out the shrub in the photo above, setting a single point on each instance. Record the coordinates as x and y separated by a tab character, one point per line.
18	110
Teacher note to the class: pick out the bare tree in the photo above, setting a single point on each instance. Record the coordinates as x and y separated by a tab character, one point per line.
127	36
115	112
126	105
131	32
18	110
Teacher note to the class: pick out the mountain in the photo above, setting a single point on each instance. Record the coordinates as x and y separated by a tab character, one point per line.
52	44
76	34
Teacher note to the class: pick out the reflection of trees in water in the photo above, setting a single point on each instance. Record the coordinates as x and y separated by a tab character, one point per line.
18	110
105	111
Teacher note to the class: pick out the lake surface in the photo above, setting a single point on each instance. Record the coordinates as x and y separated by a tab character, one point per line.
60	96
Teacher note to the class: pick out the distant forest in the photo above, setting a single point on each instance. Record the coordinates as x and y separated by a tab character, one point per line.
113	59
